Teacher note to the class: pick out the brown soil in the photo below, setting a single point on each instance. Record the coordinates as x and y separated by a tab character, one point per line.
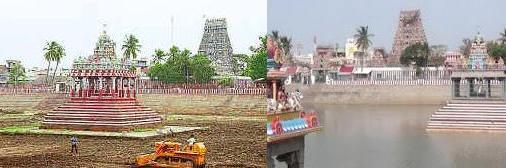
231	143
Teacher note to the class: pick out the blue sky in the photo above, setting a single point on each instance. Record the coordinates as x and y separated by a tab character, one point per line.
445	21
27	24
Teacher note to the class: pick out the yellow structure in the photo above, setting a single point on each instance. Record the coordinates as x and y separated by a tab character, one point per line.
172	154
351	48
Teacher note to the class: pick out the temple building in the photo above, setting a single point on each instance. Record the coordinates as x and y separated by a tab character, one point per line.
216	45
409	31
478	56
102	95
453	59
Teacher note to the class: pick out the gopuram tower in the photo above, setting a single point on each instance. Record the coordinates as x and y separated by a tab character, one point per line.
409	31
216	45
102	95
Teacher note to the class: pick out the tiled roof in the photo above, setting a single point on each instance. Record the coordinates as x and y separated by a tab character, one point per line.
346	69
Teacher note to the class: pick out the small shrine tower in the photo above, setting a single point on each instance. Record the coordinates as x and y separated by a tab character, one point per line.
102	95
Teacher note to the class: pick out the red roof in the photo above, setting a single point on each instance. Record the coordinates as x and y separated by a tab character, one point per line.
291	70
346	69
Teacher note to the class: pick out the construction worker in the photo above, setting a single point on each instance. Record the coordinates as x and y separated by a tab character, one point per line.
191	141
73	142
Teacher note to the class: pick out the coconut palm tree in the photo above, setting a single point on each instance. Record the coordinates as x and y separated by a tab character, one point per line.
286	46
50	54
59	54
363	41
130	47
159	55
503	36
275	35
48	57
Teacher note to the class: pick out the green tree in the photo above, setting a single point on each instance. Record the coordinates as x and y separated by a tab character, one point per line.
503	36
175	69
465	48
226	81
159	55
257	66
60	53
53	52
498	51
416	54
130	47
239	62
436	56
261	47
201	68
16	74
363	41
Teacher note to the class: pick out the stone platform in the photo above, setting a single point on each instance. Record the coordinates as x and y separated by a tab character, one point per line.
101	114
470	115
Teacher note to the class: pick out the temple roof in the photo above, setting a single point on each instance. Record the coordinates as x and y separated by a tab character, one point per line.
103	58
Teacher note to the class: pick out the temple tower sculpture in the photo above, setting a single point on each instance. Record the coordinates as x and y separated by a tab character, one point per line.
216	45
478	55
409	31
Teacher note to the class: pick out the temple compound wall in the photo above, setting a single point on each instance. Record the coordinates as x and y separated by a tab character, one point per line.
375	94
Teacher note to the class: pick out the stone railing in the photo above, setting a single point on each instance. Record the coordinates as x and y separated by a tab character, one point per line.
401	82
389	82
484	67
222	91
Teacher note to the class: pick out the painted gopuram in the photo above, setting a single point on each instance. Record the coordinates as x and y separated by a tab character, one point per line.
409	31
478	93
102	95
287	123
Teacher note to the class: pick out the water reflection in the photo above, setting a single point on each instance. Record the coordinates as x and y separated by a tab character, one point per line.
394	136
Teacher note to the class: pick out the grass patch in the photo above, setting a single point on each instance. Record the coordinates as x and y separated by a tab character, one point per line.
19	128
144	129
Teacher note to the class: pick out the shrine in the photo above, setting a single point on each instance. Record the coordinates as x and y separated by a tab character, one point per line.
102	95
478	76
287	123
478	95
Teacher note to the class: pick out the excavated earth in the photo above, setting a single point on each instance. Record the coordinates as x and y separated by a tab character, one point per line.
230	142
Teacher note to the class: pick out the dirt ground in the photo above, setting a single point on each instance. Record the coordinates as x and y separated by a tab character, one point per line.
230	143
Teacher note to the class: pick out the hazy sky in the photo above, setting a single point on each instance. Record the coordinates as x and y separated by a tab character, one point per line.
445	21
27	24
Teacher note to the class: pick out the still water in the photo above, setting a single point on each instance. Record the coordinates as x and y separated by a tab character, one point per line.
395	137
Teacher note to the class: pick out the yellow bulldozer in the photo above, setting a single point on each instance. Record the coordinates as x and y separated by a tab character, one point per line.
173	154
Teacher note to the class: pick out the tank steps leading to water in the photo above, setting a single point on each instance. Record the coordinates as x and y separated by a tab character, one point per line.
480	115
101	114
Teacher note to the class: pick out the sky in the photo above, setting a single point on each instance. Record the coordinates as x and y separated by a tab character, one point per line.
27	24
333	21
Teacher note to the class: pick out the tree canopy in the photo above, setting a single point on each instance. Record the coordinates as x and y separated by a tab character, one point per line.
181	67
497	51
416	53
257	63
16	74
130	47
201	68
53	51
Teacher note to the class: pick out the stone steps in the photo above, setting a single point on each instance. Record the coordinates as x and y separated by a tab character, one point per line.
100	118
100	122
103	109
108	114
443	110
470	115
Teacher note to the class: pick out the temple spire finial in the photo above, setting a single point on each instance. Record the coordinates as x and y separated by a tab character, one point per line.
104	26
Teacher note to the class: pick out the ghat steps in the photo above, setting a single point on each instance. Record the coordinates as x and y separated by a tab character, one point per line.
481	115
101	114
